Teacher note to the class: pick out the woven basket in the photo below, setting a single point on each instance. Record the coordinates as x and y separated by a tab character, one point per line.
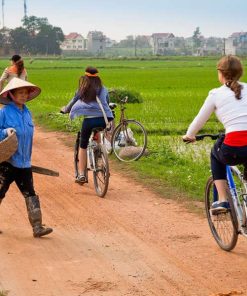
8	147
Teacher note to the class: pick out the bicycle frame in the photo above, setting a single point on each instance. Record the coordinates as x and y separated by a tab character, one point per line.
90	151
122	118
241	215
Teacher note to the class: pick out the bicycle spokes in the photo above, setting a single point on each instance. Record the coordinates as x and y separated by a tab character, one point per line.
101	172
222	225
129	141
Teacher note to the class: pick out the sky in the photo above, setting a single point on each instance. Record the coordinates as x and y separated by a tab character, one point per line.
120	18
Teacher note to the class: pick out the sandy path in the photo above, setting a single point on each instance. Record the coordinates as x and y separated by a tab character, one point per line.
131	243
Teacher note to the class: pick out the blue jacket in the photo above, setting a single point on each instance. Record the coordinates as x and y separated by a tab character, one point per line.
21	121
77	107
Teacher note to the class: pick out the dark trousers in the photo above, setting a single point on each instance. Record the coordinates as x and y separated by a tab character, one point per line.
222	155
87	126
22	177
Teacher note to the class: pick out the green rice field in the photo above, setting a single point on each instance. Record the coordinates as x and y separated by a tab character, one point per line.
173	91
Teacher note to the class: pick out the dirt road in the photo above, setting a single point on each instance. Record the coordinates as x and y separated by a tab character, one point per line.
131	243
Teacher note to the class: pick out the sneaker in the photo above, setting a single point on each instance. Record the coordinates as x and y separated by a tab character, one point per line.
219	207
81	179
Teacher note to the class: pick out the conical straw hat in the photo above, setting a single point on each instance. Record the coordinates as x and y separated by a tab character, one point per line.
15	83
8	147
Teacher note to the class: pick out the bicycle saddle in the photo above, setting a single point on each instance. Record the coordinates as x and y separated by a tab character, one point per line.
97	129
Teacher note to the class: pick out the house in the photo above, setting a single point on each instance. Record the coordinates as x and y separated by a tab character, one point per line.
212	46
236	44
96	42
74	42
162	43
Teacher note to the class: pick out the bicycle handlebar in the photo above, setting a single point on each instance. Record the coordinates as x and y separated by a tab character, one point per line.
125	100
202	137
212	136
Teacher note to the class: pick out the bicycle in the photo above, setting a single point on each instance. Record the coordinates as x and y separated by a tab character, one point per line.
97	161
128	140
226	226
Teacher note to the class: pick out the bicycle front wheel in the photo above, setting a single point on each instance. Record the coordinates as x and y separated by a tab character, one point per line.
101	174
223	225
76	154
129	140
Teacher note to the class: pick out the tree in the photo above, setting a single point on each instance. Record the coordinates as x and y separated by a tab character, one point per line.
37	36
33	24
48	39
197	38
128	42
20	40
5	40
143	42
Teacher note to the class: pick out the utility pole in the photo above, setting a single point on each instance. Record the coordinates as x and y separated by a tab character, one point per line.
135	46
25	8
3	12
224	46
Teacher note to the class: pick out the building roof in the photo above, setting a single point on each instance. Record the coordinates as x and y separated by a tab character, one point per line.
238	34
73	35
166	35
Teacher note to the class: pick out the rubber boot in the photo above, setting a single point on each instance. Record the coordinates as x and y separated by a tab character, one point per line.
35	216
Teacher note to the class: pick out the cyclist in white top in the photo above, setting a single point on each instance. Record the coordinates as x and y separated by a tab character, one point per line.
229	102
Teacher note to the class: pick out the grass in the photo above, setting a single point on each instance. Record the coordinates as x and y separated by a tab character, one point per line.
173	91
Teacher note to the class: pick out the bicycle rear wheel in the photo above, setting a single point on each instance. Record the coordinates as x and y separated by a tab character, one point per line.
101	175
224	225
129	140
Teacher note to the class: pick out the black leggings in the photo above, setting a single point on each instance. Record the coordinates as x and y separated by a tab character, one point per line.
87	126
222	155
22	177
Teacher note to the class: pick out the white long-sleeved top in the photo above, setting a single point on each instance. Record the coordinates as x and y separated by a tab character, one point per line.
232	113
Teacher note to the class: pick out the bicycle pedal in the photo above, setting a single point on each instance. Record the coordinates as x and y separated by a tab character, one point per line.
218	212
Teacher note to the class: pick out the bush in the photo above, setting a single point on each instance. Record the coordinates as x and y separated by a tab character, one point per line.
116	94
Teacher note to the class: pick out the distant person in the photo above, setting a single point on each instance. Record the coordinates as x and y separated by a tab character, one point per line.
15	117
229	102
85	104
16	69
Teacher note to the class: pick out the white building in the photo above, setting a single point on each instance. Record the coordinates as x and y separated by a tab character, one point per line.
230	47
162	43
236	44
74	42
96	42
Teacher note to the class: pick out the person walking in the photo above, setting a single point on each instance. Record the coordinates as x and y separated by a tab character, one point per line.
16	69
16	118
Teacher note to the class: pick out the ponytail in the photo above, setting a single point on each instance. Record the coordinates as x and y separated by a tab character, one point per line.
231	68
236	88
20	67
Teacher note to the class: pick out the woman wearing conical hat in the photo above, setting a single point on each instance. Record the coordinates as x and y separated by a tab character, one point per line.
16	70
16	118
